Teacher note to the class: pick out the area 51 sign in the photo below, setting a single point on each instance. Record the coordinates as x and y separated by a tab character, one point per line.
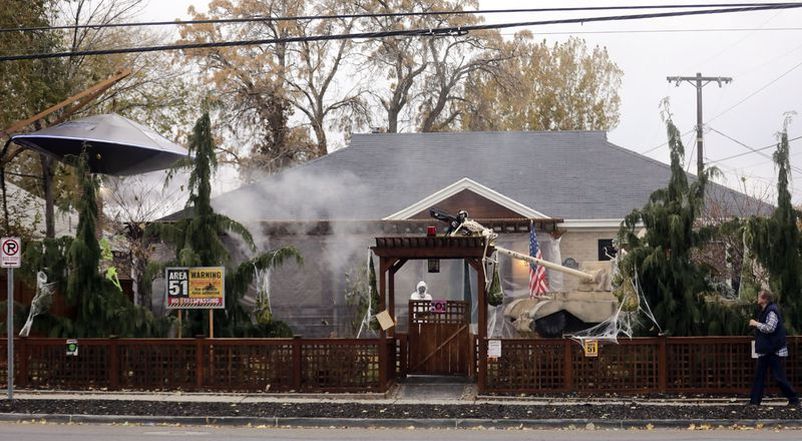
195	288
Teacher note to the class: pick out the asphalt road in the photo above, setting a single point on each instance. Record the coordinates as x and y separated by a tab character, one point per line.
89	432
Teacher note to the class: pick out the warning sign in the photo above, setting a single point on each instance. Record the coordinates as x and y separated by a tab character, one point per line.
10	252
591	347
195	288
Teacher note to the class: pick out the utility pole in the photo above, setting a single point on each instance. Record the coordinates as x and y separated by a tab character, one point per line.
699	81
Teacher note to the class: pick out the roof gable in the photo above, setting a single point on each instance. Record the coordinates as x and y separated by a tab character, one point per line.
481	202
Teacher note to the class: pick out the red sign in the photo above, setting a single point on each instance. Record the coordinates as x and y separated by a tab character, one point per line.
438	306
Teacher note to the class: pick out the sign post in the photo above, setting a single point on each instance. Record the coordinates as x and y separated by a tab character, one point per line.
196	288
10	258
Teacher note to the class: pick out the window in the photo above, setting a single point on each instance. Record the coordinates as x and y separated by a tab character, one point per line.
606	249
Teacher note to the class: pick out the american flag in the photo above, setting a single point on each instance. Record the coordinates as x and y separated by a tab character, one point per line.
538	286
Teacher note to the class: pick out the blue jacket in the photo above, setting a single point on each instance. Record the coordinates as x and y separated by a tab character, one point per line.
773	342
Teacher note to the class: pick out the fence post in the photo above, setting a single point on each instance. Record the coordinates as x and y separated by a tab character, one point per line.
569	364
296	363
114	363
22	362
199	340
383	361
404	354
662	365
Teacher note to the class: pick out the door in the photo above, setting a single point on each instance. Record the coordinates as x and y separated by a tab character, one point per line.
438	336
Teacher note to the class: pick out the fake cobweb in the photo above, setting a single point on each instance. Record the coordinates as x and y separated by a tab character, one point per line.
623	322
41	301
364	325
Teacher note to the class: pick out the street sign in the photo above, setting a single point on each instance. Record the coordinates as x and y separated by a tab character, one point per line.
10	258
195	288
10	252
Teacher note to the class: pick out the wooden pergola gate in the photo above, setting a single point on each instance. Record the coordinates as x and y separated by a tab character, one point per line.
439	338
450	351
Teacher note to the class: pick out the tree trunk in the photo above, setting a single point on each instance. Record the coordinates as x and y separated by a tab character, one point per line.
47	187
392	120
320	135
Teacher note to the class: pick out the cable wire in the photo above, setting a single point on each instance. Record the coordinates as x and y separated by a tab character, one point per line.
756	150
761	89
259	18
753	150
432	32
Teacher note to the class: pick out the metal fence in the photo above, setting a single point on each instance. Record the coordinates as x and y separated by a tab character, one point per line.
251	365
638	365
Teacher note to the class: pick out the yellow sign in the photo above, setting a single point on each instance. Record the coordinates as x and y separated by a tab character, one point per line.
195	288
591	347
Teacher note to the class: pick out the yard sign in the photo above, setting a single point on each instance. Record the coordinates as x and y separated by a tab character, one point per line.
195	288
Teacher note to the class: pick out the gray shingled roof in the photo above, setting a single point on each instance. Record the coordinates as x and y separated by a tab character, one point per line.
569	175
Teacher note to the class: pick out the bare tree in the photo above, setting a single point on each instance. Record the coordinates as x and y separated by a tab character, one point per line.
312	78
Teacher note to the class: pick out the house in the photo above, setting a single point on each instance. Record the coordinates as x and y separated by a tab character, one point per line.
573	187
28	211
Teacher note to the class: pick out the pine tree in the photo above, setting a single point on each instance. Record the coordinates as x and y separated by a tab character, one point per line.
101	309
198	240
776	244
672	283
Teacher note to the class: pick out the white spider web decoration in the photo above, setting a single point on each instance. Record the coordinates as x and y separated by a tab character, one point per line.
620	323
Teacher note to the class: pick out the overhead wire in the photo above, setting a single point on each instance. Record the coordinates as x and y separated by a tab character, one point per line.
431	32
259	18
755	150
760	89
657	31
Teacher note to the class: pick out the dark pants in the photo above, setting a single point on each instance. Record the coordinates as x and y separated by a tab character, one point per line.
764	363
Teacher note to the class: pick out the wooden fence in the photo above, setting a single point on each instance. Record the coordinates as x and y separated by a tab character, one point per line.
249	365
638	365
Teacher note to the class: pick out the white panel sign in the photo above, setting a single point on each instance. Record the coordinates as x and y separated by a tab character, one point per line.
494	349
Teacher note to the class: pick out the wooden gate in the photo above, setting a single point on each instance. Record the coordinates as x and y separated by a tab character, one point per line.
439	337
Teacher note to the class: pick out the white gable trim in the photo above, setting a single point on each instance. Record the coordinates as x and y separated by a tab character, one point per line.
590	224
594	224
466	184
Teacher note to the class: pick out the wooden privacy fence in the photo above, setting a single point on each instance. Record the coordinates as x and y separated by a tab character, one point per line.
638	365
252	365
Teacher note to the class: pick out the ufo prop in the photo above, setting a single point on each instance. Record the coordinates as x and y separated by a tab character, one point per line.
115	145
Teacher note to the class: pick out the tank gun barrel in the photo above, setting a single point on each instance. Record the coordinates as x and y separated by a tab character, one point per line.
546	263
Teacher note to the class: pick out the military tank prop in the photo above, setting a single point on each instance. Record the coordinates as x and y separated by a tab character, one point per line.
591	302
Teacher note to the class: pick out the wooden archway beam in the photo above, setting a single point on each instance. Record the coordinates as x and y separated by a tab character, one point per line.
80	99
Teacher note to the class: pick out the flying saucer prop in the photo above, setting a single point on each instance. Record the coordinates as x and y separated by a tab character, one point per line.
115	145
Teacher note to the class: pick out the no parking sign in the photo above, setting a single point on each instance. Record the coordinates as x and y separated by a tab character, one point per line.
10	258
10	252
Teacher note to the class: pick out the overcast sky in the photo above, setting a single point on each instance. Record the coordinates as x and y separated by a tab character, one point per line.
764	60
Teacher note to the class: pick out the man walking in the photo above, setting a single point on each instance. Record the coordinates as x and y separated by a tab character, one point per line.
770	345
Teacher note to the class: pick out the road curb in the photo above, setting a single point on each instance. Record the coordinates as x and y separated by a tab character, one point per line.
434	423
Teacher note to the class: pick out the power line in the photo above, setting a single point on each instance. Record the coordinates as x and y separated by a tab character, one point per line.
664	143
433	32
755	150
752	149
259	18
761	89
662	31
